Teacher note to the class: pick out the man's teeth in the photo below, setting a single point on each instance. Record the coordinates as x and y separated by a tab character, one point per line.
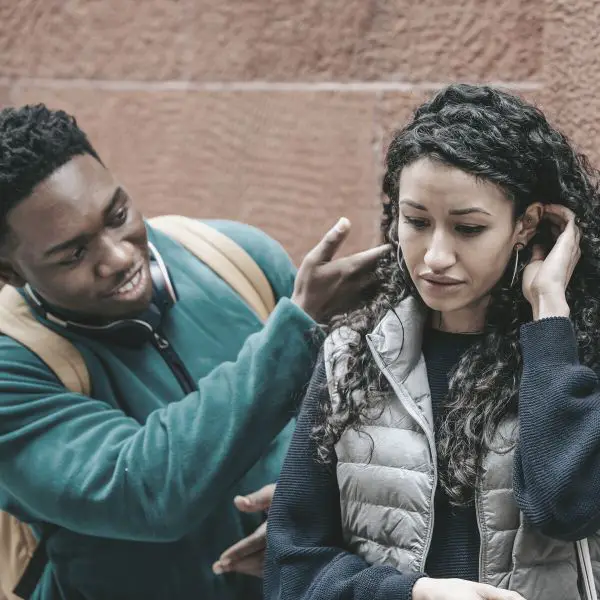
130	284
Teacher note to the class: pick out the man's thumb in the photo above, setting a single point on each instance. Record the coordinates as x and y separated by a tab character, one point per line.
325	250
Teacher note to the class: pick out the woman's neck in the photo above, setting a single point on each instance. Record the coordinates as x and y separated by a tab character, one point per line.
470	319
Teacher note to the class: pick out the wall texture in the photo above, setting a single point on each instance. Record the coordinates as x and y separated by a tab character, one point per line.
276	112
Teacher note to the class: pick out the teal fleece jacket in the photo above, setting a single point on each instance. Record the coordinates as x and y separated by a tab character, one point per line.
141	477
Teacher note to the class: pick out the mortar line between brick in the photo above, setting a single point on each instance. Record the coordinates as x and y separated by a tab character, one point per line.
250	86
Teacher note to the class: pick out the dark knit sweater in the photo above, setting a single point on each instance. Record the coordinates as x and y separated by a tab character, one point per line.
556	479
454	550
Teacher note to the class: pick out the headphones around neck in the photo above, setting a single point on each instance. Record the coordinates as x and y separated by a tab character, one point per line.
126	332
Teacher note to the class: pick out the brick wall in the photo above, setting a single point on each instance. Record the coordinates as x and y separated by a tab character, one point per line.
276	112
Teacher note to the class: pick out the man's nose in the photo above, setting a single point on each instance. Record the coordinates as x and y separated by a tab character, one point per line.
117	256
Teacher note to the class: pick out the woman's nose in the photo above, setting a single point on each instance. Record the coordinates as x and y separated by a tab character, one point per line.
440	256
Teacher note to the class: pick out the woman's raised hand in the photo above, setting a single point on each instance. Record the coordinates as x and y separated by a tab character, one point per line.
546	277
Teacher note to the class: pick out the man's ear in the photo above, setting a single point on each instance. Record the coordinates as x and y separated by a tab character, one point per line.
529	222
8	275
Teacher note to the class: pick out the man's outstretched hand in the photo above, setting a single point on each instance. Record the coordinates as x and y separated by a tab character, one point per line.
247	556
326	286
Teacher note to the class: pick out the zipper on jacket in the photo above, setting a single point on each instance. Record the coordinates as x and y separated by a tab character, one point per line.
414	412
162	344
478	517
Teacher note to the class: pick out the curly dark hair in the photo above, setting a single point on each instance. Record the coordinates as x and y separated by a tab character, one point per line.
502	139
34	142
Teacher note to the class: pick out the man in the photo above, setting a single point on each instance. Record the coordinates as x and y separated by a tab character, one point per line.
191	399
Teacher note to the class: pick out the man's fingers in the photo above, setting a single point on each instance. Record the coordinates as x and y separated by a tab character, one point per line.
244	548
250	565
367	259
249	545
256	501
358	270
325	250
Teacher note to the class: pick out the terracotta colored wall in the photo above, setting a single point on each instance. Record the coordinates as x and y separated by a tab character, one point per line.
276	112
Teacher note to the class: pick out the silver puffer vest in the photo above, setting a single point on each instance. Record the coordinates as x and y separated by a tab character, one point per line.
387	475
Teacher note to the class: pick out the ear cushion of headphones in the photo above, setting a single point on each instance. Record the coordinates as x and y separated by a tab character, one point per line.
161	288
125	332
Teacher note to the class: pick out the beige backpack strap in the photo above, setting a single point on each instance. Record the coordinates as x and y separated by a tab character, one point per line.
17	322
228	260
17	543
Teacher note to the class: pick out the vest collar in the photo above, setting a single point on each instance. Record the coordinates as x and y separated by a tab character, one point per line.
398	337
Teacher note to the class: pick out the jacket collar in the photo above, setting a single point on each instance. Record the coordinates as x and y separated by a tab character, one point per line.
398	337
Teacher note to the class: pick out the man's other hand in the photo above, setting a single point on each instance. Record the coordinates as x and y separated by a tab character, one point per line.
247	556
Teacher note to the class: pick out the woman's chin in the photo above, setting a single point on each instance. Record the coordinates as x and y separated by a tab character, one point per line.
438	304
445	305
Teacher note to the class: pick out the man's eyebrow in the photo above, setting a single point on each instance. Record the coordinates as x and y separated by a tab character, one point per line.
119	193
83	238
73	242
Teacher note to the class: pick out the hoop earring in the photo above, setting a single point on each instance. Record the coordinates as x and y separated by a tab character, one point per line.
518	247
401	262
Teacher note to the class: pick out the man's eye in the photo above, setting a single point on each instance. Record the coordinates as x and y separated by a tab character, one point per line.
470	229
76	256
120	216
416	223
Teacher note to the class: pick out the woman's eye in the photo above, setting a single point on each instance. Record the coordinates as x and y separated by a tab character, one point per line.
470	229
416	223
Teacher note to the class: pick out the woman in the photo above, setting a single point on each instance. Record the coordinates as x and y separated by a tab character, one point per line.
449	444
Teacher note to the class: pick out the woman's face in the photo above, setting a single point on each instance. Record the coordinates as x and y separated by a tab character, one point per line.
457	236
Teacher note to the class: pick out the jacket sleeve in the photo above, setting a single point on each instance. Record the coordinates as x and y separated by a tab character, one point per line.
557	461
78	463
306	559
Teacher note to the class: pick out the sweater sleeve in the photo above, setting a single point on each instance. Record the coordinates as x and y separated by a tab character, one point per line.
306	559
76	462
557	461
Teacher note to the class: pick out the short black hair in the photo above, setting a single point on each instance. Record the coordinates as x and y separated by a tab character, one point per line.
34	142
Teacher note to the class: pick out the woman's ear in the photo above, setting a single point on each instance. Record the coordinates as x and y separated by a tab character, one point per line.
529	222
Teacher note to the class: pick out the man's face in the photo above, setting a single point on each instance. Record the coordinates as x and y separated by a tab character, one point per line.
80	243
